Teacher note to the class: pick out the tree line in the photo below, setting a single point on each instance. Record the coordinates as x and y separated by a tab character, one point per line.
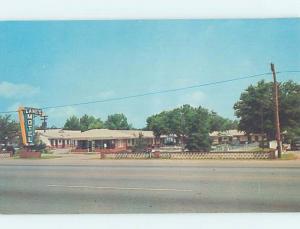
88	122
190	124
254	111
9	129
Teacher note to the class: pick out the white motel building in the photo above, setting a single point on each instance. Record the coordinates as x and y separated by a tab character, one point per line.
95	140
105	140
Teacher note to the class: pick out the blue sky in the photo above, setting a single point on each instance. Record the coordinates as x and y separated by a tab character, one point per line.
47	63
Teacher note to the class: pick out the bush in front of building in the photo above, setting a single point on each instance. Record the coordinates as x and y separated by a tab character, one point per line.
140	145
41	147
295	144
198	142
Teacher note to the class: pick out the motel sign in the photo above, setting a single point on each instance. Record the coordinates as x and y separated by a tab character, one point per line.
26	117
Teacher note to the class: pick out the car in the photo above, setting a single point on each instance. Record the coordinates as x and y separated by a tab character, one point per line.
7	149
295	144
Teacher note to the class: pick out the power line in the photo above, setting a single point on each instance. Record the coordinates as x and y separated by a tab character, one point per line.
287	71
159	92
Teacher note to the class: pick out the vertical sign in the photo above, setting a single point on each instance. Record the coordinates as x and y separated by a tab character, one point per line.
26	116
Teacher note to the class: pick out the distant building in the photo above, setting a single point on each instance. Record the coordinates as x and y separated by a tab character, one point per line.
234	137
170	139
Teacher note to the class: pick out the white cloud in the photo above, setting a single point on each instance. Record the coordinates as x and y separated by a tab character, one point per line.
16	105
194	99
61	113
58	116
105	94
160	103
10	90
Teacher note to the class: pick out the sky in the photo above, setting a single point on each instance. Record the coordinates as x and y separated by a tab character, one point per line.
49	63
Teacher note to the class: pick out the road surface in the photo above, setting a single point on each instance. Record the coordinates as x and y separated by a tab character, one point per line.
153	186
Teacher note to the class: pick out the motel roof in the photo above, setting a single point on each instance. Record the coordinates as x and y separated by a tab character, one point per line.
227	133
96	134
136	133
59	133
113	134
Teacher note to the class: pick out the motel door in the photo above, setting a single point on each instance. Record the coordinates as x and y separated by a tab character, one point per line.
90	146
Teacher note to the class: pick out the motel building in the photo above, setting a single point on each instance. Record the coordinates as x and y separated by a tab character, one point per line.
95	140
234	137
112	141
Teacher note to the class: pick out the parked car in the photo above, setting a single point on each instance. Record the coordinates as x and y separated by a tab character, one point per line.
7	150
295	144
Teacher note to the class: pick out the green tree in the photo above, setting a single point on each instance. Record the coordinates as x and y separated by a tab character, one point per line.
9	129
72	123
97	123
290	109
175	121
84	123
197	129
198	142
289	105
186	122
117	122
90	122
291	133
218	123
157	123
256	113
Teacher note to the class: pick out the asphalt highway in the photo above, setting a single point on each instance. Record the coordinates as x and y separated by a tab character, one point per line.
143	186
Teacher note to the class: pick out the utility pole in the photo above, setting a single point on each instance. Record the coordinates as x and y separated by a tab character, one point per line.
276	110
44	119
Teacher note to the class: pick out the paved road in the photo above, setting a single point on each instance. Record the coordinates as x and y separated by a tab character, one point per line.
141	186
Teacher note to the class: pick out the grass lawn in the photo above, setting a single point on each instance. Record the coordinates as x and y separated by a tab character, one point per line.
43	156
288	156
49	156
